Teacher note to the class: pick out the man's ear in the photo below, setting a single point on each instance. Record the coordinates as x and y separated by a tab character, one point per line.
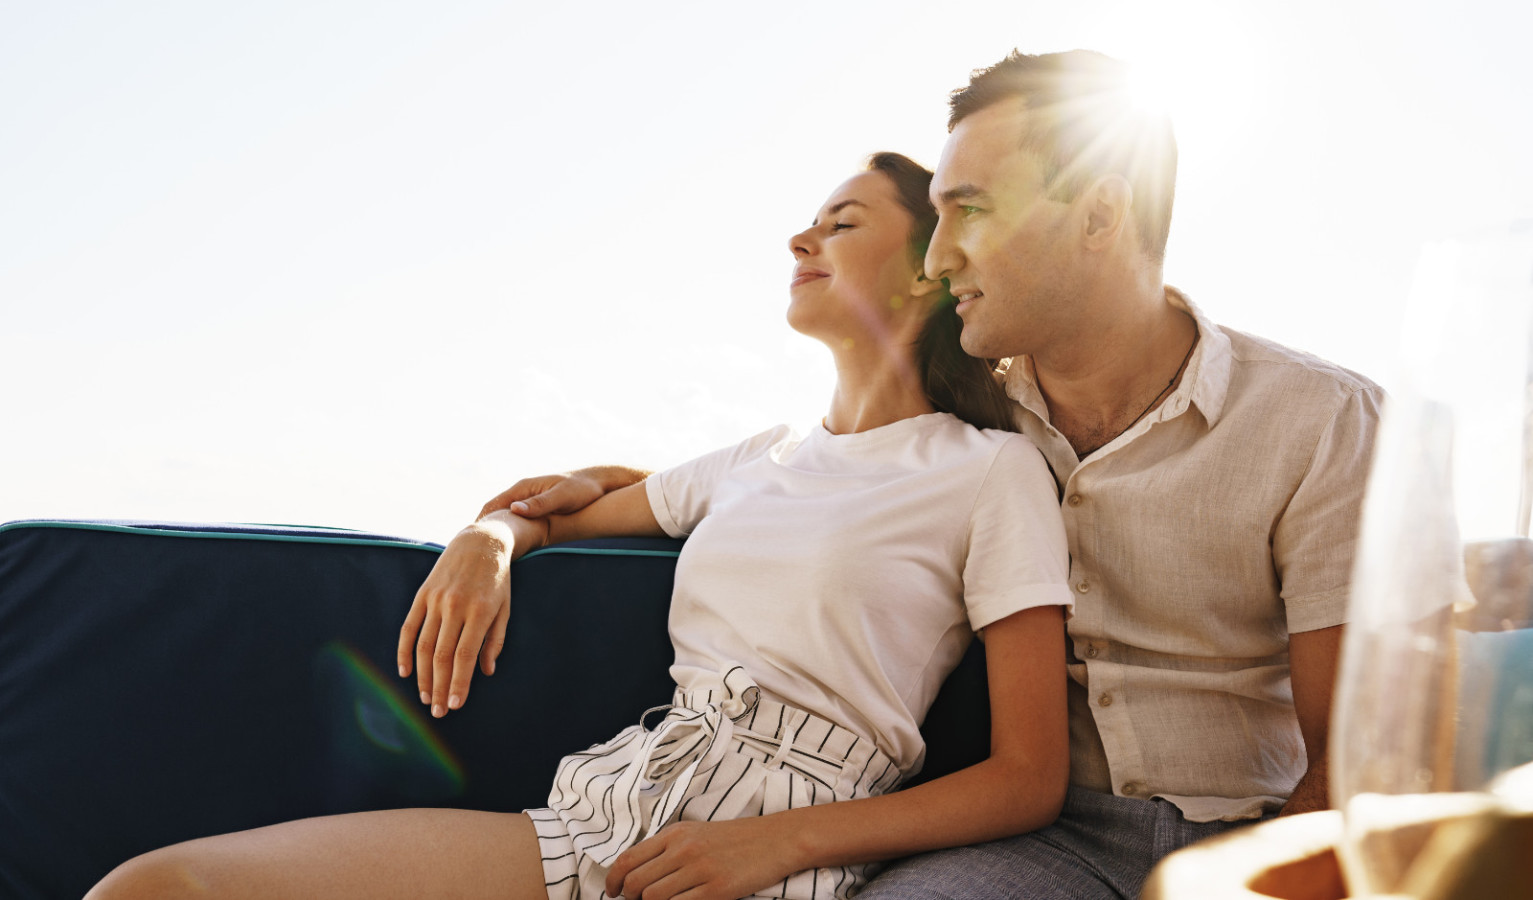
1108	204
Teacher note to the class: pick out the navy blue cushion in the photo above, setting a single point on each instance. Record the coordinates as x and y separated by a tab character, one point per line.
160	682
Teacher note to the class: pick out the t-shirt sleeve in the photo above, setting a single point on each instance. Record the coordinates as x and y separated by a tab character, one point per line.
1017	557
1315	541
680	496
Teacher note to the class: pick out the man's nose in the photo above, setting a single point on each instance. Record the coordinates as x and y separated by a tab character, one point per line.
942	255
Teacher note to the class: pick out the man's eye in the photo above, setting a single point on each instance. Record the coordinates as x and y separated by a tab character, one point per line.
969	210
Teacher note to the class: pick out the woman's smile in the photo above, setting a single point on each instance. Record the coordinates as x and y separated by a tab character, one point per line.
805	274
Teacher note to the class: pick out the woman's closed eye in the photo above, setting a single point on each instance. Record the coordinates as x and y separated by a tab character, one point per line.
841	226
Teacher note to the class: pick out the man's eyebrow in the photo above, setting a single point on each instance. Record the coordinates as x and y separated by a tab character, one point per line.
959	192
838	207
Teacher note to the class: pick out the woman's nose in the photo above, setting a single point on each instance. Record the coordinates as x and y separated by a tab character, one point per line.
801	244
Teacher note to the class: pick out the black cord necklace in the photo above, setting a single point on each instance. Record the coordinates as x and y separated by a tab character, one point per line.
1175	375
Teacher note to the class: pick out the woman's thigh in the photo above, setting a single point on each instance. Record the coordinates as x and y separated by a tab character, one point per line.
405	853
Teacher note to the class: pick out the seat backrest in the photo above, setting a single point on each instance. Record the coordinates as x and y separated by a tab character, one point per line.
160	682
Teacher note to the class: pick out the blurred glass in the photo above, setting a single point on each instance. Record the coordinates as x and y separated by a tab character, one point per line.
1433	720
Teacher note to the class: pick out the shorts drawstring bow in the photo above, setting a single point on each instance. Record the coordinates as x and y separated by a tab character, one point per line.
717	753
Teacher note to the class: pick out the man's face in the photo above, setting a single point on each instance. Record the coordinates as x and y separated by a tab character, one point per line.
1004	247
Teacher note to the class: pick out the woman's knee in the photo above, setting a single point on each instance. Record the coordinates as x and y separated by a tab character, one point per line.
160	874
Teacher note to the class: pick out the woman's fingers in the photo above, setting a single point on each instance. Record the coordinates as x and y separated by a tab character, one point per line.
448	646
408	633
442	660
667	873
425	649
495	641
522	490
663	887
701	861
564	496
471	643
630	860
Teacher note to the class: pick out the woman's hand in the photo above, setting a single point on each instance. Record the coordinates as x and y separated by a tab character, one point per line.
460	613
546	495
707	860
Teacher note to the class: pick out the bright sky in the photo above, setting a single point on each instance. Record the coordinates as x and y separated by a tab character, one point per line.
363	264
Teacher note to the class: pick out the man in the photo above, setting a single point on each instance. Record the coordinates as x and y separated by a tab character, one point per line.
1210	484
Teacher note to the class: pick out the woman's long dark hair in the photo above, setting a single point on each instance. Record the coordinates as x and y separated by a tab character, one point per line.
954	381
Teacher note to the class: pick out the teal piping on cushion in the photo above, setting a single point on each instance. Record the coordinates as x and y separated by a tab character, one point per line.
316	539
232	535
602	551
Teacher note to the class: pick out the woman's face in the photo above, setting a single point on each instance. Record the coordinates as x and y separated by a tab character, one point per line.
853	270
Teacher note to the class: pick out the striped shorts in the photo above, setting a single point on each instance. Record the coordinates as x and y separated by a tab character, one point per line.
717	754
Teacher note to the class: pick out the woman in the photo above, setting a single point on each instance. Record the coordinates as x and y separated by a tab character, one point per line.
829	585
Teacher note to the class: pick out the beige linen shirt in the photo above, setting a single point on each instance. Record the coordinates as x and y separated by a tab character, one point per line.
1200	538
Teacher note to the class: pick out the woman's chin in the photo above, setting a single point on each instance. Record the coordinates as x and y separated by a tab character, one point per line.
802	319
813	328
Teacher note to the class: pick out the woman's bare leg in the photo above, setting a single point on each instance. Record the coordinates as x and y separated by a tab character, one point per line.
404	853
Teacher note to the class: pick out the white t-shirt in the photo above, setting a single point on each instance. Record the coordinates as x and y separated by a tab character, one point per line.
847	573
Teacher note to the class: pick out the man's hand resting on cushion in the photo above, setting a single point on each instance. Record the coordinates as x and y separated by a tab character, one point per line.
546	495
460	613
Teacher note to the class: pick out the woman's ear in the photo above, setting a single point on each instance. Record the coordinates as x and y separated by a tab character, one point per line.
921	286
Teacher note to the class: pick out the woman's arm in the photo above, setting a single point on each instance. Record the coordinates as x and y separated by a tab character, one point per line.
460	613
1020	787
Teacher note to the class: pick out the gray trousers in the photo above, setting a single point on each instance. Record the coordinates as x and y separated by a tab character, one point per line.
1102	847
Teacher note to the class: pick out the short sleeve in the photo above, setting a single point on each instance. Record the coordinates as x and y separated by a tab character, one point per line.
1017	557
680	496
1316	539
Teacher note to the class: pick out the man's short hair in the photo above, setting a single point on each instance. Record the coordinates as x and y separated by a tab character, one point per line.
1083	123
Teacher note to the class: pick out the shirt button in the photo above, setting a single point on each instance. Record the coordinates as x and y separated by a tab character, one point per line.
1091	652
1083	587
1131	788
1075	500
1104	700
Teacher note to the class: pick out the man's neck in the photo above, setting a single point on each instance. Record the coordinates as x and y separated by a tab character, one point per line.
1105	381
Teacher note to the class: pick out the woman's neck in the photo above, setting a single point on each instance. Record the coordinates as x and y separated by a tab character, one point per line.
874	389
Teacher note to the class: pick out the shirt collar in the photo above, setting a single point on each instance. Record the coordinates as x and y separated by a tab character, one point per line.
1205	384
1207	379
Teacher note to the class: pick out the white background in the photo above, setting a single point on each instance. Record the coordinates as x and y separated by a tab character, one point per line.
363	264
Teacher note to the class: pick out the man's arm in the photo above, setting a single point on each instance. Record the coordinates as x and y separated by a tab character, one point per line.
566	493
1312	662
1313	549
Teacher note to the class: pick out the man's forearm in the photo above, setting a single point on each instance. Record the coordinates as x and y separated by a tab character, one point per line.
1313	660
1312	793
612	478
545	495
